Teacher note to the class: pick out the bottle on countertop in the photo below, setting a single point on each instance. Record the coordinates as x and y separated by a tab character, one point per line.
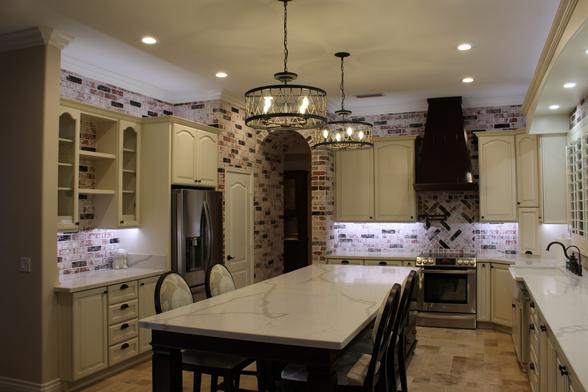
120	259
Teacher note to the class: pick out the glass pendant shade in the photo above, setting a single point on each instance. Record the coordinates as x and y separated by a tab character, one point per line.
285	106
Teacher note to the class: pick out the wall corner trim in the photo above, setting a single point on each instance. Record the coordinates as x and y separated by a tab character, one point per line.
34	36
8	384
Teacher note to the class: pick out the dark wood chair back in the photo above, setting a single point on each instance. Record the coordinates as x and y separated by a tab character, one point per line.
171	292
218	280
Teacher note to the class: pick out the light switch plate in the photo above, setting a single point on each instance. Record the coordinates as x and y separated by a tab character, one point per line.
25	264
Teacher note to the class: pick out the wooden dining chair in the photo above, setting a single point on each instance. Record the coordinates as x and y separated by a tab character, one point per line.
171	292
395	361
356	371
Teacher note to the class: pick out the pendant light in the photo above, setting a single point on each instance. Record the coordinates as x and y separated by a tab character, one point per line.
285	106
346	133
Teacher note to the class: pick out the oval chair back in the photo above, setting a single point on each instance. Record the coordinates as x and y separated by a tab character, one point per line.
171	292
218	281
376	367
398	328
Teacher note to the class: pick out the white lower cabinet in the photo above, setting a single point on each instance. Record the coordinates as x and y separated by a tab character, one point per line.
146	309
484	292
99	327
380	262
501	297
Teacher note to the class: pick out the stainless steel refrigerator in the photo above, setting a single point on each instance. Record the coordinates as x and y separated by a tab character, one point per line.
197	235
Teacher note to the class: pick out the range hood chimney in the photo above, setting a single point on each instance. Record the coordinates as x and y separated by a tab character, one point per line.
443	162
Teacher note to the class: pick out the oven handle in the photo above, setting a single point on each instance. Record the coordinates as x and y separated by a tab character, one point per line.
450	272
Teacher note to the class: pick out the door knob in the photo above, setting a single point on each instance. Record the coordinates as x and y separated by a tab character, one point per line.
229	258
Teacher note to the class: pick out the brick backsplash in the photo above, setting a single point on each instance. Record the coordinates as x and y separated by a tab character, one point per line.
86	250
242	147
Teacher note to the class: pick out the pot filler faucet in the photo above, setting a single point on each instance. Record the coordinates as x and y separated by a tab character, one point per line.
573	264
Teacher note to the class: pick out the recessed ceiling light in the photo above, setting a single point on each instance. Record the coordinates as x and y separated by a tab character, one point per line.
586	51
569	85
553	107
221	74
149	40
468	79
464	47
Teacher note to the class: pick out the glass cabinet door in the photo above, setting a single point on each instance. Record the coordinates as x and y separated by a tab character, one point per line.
129	174
68	161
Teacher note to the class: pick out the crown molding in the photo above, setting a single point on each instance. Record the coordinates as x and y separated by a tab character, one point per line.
34	36
560	23
388	104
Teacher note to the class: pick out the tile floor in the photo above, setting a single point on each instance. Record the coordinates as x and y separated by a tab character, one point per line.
446	360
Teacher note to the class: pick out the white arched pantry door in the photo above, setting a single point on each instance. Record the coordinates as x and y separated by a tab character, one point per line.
239	226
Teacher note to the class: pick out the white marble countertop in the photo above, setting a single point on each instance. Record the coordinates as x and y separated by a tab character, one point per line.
563	301
92	279
516	259
322	306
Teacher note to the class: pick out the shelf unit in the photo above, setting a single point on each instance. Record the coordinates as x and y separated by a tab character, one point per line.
67	173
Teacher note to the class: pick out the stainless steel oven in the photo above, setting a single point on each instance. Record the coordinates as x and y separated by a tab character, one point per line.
447	292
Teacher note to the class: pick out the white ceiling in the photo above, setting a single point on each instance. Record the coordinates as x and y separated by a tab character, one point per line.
570	66
404	49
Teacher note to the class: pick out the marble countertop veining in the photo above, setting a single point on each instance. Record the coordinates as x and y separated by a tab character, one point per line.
563	301
92	279
321	305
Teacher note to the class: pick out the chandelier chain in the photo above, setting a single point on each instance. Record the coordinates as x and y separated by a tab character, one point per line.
285	35
342	85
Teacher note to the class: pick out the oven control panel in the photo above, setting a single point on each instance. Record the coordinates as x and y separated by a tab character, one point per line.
464	262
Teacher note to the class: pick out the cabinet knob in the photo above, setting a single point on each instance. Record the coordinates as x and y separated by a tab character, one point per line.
532	327
124	346
124	326
563	370
412	217
532	305
532	366
382	263
518	203
122	221
142	284
514	306
344	262
482	216
543	328
483	265
77	223
124	286
124	306
371	217
105	292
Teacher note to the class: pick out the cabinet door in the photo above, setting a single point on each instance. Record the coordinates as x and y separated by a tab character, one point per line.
529	220
395	199
553	178
527	170
129	174
483	294
552	370
90	337
497	179
502	288
206	159
355	185
68	169
517	318
184	163
146	309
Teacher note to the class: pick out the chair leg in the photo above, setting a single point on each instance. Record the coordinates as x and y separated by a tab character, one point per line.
213	383
197	381
402	365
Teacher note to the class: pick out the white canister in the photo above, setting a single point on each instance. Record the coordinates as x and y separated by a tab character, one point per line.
120	259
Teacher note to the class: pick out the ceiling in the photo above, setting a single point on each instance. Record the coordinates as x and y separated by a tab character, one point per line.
403	49
570	66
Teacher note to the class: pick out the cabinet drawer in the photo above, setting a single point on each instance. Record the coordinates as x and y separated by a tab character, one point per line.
122	292
123	331
346	261
122	312
121	351
393	263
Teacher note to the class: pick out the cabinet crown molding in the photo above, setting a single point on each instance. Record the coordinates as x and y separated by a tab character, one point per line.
34	36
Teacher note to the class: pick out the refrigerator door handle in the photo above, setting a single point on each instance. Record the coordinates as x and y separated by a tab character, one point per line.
209	236
180	239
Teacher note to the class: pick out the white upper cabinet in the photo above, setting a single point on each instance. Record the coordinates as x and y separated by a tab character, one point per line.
527	159
529	220
394	169
67	171
553	178
498	195
129	173
194	156
355	185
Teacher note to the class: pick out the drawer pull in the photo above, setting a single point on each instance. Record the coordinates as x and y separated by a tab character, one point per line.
532	305
124	286
382	263
344	262
124	306
532	366
514	306
124	346
532	327
563	370
124	326
543	328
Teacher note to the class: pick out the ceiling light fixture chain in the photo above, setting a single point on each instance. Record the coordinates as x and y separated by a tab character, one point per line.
342	86
286	37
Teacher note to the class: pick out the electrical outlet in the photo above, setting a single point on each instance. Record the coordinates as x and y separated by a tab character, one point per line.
25	264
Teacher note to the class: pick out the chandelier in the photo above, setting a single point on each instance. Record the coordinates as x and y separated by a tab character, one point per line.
346	133
285	106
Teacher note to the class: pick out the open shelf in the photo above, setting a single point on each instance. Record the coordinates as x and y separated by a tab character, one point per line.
96	191
96	155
